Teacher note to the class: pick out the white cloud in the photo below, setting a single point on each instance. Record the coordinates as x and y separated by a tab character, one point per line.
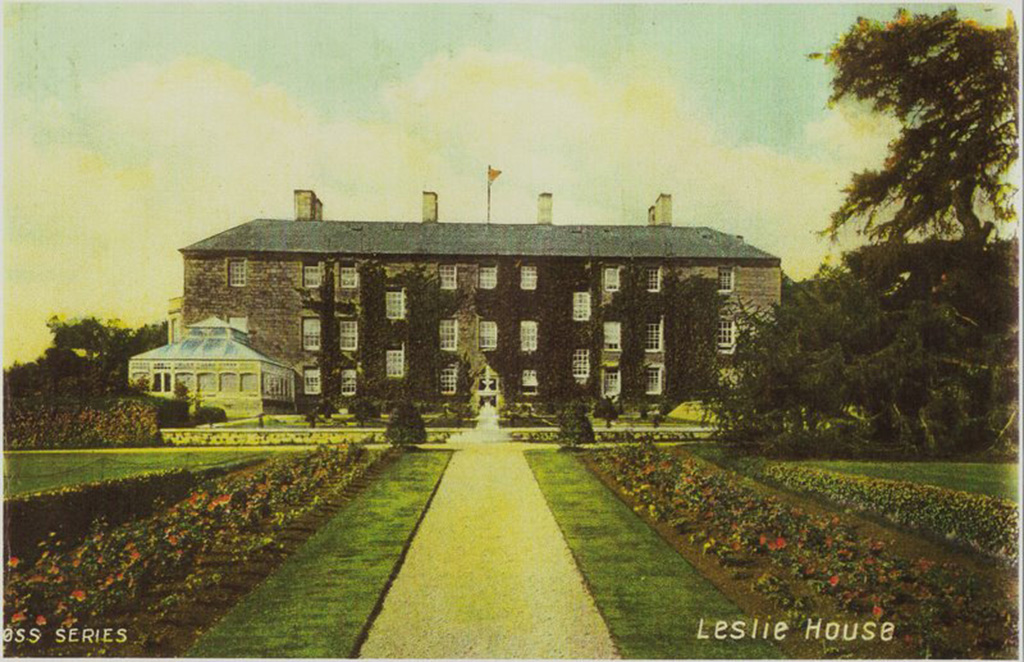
158	157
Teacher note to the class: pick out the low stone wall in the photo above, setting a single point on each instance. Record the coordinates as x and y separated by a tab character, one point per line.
282	436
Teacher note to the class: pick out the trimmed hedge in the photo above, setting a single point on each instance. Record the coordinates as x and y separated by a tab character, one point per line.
66	515
985	523
32	424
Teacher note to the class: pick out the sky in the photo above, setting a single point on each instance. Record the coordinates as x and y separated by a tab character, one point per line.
131	131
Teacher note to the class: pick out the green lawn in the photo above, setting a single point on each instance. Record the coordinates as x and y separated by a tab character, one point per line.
318	602
31	471
650	597
998	480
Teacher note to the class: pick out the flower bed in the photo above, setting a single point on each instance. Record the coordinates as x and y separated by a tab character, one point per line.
986	523
66	515
940	610
235	515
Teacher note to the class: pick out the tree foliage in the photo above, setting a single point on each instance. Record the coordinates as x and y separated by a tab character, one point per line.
952	84
858	362
87	357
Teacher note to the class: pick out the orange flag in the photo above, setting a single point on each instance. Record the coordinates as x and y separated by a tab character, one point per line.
492	174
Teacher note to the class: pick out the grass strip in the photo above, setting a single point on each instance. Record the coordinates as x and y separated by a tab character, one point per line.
319	602
997	479
32	471
650	597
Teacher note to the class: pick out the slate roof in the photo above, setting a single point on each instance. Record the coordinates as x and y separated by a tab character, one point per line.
472	239
212	340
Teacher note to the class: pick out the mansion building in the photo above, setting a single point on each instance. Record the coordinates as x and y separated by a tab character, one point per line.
461	312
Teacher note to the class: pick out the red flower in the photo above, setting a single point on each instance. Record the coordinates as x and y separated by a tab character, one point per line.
762	539
173	540
78	594
40	620
77	562
13	561
780	542
135	555
877	611
833	580
18	617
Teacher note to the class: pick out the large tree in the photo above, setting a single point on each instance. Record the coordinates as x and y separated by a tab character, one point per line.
953	86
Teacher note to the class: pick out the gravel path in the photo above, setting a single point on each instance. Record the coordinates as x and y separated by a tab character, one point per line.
488	574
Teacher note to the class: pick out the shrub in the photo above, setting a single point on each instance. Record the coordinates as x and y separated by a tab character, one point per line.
92	423
405	427
210	415
574	427
363	410
172	413
605	409
986	523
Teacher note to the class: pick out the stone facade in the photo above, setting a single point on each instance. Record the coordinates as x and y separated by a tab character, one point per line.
271	298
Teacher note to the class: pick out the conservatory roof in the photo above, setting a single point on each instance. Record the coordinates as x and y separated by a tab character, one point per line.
209	340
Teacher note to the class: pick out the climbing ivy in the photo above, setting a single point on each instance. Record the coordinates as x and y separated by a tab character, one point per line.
690	308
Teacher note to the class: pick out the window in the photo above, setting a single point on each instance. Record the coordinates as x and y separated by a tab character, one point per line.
449	335
348	278
611	279
611	385
528	336
726	336
530	382
613	336
228	382
250	382
236	273
395	304
348	382
348	335
488	335
653	279
581	365
581	306
207	382
396	363
653	336
240	323
311	381
488	277
449	275
311	333
449	380
653	379
186	379
725	279
528	277
162	382
312	276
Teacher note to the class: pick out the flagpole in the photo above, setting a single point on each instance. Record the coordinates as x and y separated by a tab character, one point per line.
488	194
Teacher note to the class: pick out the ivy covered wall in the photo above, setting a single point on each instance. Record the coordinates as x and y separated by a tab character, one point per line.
689	306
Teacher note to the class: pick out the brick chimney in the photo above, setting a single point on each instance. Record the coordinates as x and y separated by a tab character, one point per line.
307	206
544	215
661	212
429	207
